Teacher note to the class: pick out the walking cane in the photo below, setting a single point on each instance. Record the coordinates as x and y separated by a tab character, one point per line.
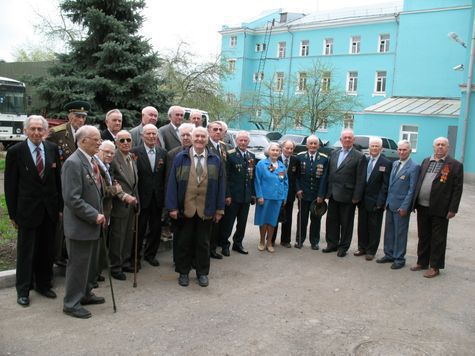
300	222
106	251
136	248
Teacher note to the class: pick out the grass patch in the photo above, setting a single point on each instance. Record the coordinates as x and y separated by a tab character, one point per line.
8	235
2	164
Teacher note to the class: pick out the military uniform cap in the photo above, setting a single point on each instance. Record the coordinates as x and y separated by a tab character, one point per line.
78	107
318	209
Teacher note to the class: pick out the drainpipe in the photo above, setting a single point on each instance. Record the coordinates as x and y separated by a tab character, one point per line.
468	93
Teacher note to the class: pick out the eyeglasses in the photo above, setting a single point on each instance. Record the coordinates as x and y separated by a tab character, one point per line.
217	129
124	140
96	139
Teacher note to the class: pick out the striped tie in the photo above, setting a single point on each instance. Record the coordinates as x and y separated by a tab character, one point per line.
40	167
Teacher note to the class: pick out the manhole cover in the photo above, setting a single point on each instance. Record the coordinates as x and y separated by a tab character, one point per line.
388	347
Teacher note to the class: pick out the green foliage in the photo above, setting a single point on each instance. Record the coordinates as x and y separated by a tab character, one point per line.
2	165
33	54
8	236
111	66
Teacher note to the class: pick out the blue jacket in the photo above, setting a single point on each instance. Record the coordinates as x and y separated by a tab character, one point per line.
402	186
178	181
271	185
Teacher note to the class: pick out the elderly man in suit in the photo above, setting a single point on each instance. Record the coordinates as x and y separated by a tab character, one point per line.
124	171
83	219
113	122
402	185
437	198
195	195
346	178
168	134
292	164
196	118
371	207
149	116
151	166
311	185
33	197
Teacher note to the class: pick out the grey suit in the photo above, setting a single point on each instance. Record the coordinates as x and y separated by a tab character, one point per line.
345	185
168	137
136	134
82	203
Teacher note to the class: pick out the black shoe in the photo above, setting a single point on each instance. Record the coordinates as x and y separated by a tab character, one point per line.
397	265
23	301
92	299
119	275
203	280
329	249
214	254
101	278
297	245
95	285
46	292
225	251
183	280
384	260
315	247
240	249
80	313
341	252
286	244
129	269
153	262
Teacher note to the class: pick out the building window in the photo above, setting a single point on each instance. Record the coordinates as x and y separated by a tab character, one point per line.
298	121
328	46
231	65
279	81
410	133
352	83
260	47
258	77
355	44
380	84
325	86
383	43
230	98
281	50
323	125
258	113
348	121
302	82
233	41
304	48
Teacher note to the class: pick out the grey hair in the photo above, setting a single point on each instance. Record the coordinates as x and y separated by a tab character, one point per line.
404	142
107	143
199	128
441	138
223	125
173	108
347	131
149	126
85	130
375	139
113	111
186	126
44	123
243	133
272	144
313	137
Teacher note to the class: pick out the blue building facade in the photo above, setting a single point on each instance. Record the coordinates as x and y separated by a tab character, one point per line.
395	58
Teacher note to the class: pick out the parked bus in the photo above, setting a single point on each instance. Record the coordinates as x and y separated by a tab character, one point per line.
12	111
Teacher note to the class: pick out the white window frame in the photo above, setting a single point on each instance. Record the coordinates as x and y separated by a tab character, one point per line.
383	43
326	82
232	65
352	83
281	49
258	77
304	48
411	135
380	82
324	126
258	113
355	44
260	47
233	41
279	82
301	82
348	121
328	46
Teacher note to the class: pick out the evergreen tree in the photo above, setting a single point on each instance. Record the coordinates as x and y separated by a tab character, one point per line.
112	66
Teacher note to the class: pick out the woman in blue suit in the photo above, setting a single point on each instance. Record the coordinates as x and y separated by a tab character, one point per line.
271	185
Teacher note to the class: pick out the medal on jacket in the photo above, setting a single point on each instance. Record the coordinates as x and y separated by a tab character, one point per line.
250	167
303	167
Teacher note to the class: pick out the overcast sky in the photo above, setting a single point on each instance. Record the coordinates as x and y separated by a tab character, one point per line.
167	21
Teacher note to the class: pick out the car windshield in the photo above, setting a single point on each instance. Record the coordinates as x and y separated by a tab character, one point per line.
258	142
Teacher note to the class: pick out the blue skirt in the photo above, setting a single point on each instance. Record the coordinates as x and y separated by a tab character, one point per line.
268	213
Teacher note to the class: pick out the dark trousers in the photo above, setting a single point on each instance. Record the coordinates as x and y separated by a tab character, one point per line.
369	229
193	245
287	225
35	257
432	231
234	212
302	219
339	224
149	217
215	235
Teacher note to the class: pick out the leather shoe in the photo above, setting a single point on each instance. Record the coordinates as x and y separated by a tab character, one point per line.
203	280
341	253
46	292
80	313
261	246
153	262
128	269
359	253
397	265
101	278
214	254
369	257
432	272
297	245
119	275
95	285
329	249
418	267
183	280
384	259
315	247
225	251
240	249
286	245
270	248
92	299
23	301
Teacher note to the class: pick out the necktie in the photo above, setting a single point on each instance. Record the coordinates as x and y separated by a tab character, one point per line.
39	162
97	175
129	163
218	150
199	168
244	156
151	158
311	161
370	168
286	162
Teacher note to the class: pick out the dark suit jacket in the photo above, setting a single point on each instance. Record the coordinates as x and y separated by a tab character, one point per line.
376	188
168	137
27	195
240	176
312	181
447	187
106	135
127	180
151	185
292	172
346	183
